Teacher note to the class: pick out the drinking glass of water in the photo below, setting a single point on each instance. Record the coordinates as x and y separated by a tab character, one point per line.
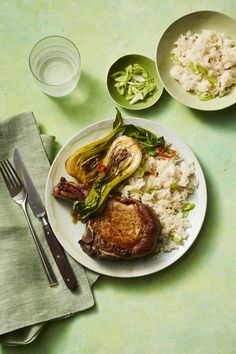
55	64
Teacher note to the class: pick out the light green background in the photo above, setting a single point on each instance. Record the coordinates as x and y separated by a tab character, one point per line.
190	307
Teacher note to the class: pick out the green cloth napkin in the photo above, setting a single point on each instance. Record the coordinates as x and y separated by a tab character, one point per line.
27	301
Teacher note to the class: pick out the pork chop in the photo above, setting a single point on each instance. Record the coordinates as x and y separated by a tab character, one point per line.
126	229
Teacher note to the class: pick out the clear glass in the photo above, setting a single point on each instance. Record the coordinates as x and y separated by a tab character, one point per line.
56	65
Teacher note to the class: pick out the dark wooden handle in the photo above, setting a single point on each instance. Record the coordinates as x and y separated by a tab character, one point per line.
60	257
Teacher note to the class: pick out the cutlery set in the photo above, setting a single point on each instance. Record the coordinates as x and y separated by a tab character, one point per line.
24	192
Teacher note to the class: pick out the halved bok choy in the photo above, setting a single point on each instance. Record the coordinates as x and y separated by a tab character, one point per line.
122	160
83	162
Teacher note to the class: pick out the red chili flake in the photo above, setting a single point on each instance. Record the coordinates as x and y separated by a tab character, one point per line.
100	167
166	152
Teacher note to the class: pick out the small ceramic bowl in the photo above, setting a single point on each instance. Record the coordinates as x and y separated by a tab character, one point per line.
120	65
195	22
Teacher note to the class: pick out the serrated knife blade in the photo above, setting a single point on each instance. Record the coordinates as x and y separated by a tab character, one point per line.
39	211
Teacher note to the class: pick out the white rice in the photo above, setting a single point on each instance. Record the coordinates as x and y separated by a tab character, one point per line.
155	188
205	63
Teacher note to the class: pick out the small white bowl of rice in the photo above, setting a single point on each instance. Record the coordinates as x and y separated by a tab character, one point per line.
196	60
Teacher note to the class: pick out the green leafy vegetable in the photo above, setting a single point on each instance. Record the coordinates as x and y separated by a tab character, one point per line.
122	159
134	83
149	142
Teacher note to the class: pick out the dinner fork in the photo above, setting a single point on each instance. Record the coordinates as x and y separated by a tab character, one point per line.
19	195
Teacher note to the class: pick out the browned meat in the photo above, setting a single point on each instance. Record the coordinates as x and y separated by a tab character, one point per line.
126	229
70	190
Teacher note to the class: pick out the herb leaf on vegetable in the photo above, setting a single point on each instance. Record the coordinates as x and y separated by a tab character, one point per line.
148	141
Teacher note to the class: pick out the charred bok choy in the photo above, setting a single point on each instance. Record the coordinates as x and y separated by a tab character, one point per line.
85	163
82	164
122	159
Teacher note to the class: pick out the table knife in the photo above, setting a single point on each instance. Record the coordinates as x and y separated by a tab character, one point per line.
39	211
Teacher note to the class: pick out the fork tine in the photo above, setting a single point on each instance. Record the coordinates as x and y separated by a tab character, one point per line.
13	173
10	176
4	175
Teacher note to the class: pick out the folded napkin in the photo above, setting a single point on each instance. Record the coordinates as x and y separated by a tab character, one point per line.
27	301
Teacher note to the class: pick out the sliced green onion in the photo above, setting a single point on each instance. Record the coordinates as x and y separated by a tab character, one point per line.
137	191
192	67
137	98
175	59
212	80
175	186
203	96
216	46
134	83
202	71
151	190
138	78
186	208
176	240
144	170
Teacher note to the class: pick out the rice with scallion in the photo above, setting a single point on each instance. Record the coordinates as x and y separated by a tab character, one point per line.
165	185
204	63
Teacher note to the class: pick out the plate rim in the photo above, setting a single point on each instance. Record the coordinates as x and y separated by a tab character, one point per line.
106	123
193	106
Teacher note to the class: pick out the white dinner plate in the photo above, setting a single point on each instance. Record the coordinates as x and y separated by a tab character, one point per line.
68	234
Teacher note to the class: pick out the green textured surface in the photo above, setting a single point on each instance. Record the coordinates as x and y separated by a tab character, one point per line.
189	307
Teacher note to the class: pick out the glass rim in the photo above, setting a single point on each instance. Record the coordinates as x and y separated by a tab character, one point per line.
48	37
